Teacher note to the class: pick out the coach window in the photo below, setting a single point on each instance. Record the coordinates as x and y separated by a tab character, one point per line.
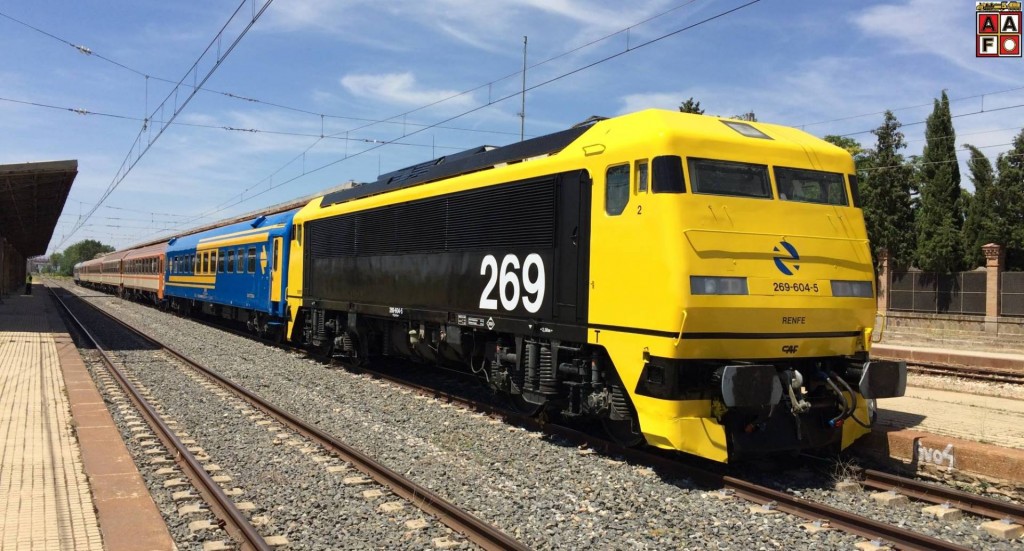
195	263
252	260
206	263
240	261
641	176
231	261
220	256
616	189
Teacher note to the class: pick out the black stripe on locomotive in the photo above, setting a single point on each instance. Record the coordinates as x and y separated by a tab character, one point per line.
426	254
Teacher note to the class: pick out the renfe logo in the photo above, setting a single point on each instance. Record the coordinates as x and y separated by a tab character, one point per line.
780	261
998	33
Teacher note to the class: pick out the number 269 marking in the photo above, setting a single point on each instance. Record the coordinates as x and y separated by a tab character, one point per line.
507	280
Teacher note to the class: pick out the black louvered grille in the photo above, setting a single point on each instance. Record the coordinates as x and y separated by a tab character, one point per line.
337	238
511	215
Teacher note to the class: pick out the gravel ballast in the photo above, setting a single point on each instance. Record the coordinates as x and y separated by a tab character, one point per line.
548	494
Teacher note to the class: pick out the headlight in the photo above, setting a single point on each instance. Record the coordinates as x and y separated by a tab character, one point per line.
851	289
707	285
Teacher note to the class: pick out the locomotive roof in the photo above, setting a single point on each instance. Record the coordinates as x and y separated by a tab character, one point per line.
464	162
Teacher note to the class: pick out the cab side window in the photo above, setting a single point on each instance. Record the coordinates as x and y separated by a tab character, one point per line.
616	189
641	176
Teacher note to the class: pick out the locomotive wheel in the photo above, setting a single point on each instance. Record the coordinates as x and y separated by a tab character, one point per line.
625	432
324	350
523	407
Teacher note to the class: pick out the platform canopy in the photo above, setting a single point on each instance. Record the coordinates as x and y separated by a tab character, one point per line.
32	196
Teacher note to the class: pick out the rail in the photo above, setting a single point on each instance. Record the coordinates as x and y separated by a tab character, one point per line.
475	529
221	505
934	493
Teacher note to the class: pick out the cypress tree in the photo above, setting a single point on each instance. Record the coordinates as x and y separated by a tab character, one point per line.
885	194
1010	195
984	222
939	219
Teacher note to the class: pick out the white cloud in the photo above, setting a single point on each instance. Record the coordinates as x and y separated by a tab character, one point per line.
655	100
402	89
487	26
928	27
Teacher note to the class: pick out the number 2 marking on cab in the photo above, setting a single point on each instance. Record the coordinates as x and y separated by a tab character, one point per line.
507	280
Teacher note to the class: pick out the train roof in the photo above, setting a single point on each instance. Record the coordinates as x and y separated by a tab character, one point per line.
151	250
267	222
464	162
642	125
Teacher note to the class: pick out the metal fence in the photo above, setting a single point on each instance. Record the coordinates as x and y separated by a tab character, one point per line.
959	293
1011	303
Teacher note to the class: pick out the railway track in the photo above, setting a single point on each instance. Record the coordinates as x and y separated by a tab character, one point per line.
479	532
771	499
966	372
768	498
223	507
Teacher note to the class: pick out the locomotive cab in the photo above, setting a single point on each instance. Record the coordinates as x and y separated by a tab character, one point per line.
741	288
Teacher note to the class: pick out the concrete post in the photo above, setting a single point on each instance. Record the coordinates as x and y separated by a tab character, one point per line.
884	260
994	258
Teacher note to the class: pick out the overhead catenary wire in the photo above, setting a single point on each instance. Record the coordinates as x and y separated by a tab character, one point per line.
393	119
240	97
81	111
628	49
129	162
917	106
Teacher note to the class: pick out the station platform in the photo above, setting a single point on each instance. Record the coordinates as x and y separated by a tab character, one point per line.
66	478
1006	361
951	430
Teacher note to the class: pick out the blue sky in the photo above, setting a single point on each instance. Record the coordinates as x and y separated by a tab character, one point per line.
831	67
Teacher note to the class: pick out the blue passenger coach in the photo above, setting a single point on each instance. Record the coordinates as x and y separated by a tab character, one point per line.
237	272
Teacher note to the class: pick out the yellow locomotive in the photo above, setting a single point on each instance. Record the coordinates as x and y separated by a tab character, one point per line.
698	283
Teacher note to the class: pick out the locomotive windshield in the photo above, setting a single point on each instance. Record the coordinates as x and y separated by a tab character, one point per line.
811	186
730	178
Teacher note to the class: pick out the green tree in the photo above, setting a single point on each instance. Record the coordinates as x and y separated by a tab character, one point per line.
885	194
939	219
55	262
984	222
855	149
851	145
1010	199
691	106
83	250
